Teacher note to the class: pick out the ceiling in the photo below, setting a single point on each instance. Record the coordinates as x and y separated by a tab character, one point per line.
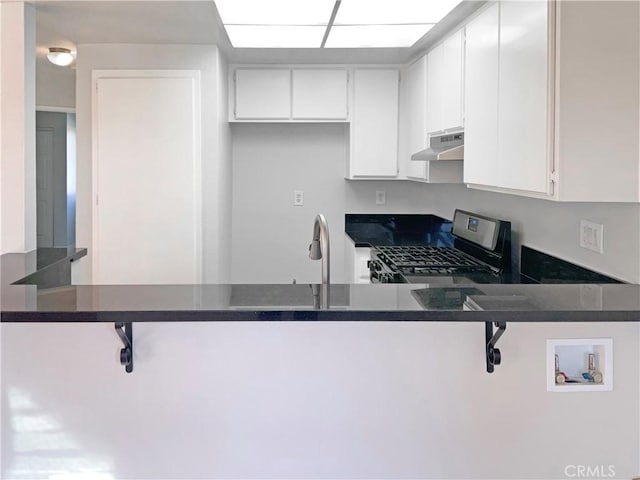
71	23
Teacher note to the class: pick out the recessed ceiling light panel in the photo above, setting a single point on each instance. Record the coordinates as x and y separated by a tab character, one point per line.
275	36
389	12
375	36
275	12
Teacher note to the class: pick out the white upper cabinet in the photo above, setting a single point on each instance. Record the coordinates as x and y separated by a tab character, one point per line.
506	95
453	92
320	94
263	93
289	94
444	84
374	126
523	156
416	111
481	98
552	112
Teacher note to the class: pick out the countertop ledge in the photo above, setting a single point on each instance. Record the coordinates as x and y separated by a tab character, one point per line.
323	316
299	303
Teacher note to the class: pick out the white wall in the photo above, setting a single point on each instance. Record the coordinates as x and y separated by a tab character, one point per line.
55	86
307	400
17	151
217	218
271	236
215	173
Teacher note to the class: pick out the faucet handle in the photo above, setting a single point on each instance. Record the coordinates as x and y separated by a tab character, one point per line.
315	253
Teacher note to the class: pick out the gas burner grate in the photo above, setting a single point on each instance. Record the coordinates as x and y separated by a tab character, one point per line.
406	257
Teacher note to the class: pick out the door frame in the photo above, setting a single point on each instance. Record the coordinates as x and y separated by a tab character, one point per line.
194	75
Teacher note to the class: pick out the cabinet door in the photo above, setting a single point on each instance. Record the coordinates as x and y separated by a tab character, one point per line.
435	87
522	113
417	111
444	84
374	129
263	93
319	94
481	99
452	68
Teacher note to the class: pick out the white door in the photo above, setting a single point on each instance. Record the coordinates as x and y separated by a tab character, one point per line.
146	177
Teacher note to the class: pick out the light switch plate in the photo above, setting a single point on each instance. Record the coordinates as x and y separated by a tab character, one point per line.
381	197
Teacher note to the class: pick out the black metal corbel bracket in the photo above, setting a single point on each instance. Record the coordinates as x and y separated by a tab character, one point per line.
125	332
491	338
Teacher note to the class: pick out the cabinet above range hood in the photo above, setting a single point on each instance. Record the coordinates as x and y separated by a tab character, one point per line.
446	146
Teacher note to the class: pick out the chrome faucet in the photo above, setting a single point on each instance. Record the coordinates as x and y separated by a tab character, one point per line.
319	249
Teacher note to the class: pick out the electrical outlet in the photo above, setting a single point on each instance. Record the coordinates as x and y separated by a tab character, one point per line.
591	236
381	197
298	198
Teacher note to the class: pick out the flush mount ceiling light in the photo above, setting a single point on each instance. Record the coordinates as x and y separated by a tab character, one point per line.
330	23
60	56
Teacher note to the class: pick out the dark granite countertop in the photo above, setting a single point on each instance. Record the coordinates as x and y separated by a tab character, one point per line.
278	302
398	229
31	302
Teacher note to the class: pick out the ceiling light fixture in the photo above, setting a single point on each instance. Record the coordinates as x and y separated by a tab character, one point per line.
330	23
60	56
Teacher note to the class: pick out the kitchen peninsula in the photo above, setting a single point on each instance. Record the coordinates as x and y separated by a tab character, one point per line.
269	302
268	352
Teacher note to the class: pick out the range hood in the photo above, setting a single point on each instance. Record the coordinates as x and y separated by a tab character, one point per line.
447	146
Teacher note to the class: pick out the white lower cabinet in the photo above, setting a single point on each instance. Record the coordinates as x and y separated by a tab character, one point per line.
374	127
550	110
361	265
356	262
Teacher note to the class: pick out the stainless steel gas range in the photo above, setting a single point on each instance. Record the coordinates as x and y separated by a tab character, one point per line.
481	254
